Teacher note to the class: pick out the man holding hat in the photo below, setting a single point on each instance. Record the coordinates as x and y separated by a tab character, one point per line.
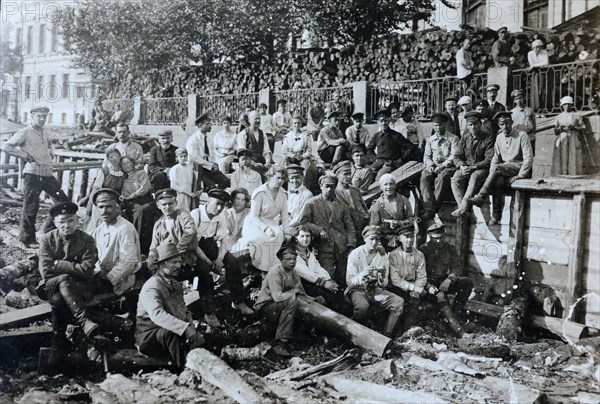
446	276
513	159
67	259
118	245
277	297
329	219
362	175
357	134
332	145
492	93
163	321
161	159
199	154
33	146
297	193
523	117
351	197
367	278
501	49
472	160
245	176
440	149
452	124
390	148
126	147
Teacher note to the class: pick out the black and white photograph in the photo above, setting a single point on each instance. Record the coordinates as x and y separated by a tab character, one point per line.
300	201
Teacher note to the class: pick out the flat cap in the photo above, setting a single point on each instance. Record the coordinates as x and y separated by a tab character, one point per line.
502	29
437	228
227	118
219	194
408	111
358	116
287	249
483	103
262	105
342	166
333	114
371	230
516	93
181	151
202	118
465	99
328	179
407	230
450	99
503	115
166	250
385	114
358	147
166	133
284	102
244	152
63	208
437	117
492	87
39	108
103	194
294	169
166	193
473	115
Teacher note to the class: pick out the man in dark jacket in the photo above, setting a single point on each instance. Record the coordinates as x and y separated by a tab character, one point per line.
162	158
451	113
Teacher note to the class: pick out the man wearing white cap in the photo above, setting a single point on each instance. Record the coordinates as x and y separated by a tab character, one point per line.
466	105
33	146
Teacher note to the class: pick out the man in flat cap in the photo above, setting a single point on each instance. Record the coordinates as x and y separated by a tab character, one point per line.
440	149
245	177
501	49
390	148
367	278
472	160
466	105
297	193
283	119
199	154
487	124
67	259
351	197
523	117
277	297
357	134
492	94
164	324
362	175
451	113
126	146
513	160
330	223
162	158
33	146
332	144
252	138
117	243
446	276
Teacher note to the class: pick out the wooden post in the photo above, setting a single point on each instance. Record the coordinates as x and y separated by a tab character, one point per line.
6	162
575	273
71	184
515	238
85	175
462	240
61	160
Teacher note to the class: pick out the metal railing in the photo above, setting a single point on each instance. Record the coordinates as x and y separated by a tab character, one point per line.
165	111
331	98
218	106
545	86
425	96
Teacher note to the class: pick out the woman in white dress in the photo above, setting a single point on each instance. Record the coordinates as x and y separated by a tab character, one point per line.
567	157
224	144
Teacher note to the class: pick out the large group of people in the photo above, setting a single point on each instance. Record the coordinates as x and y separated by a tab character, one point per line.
301	224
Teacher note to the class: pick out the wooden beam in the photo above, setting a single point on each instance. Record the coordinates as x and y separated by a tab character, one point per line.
401	174
462	240
515	239
589	184
575	268
18	318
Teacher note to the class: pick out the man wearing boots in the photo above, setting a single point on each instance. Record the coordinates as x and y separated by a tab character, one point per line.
445	277
513	159
67	259
163	320
367	278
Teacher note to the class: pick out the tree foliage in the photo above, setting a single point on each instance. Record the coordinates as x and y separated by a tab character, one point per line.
10	58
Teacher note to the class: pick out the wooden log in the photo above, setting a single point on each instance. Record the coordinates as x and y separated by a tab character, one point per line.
329	321
347	360
515	240
509	325
215	371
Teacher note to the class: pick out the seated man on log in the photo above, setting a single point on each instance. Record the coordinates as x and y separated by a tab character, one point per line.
513	159
351	197
164	323
253	139
367	277
199	154
162	158
297	193
67	259
440	149
445	275
362	175
408	276
277	297
390	148
472	159
332	146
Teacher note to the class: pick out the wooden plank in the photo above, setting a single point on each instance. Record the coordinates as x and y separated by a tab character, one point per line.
545	273
71	153
548	245
21	317
462	240
71	184
550	211
515	242
401	174
575	273
564	184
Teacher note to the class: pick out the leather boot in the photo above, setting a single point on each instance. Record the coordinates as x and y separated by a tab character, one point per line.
453	321
390	324
77	307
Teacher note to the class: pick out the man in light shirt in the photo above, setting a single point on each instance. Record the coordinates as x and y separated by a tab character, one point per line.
127	147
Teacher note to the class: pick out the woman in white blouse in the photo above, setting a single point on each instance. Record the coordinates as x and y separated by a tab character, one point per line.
224	146
537	57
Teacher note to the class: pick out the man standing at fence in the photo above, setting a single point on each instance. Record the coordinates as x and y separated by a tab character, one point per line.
199	154
523	117
501	49
33	145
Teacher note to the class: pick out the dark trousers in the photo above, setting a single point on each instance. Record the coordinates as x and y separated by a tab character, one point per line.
271	140
434	186
160	180
212	179
283	314
333	154
460	288
334	262
234	267
33	185
156	341
206	283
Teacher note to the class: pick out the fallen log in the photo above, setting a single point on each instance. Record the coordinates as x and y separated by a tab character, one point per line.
509	325
347	360
215	371
342	327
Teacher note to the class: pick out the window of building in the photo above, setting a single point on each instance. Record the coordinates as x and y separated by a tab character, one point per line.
475	12
53	86
54	39
27	87
65	86
29	41
40	87
63	118
19	38
79	91
535	13
50	117
42	39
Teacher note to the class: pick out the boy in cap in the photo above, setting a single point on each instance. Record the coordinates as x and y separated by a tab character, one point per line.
362	175
351	197
513	159
472	160
367	278
33	146
452	124
523	117
199	155
297	193
277	297
182	178
163	321
445	276
245	177
332	144
440	149
162	158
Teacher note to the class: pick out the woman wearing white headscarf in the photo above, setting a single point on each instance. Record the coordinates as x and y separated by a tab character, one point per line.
537	57
566	159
